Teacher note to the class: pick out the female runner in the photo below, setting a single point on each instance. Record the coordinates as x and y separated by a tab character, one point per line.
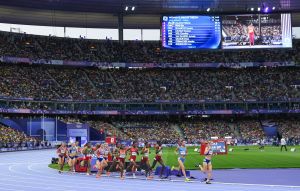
122	156
99	152
73	151
115	161
62	153
104	162
158	158
133	153
182	152
207	165
145	160
88	152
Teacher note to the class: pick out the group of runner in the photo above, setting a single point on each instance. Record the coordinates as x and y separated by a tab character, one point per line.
119	153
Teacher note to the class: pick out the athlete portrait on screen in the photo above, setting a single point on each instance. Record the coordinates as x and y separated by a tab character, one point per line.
251	34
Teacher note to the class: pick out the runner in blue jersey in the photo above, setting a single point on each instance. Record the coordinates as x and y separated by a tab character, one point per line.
181	150
207	164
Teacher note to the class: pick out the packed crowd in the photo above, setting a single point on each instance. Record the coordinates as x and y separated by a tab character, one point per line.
109	130
10	137
145	131
290	130
244	131
196	131
46	83
250	130
40	47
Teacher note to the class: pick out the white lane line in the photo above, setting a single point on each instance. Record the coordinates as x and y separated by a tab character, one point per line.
103	186
263	185
41	188
222	183
88	179
76	184
24	163
9	189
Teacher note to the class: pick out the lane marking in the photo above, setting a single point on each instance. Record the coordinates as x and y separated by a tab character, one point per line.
264	185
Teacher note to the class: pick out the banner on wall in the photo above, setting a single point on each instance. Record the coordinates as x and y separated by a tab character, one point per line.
218	147
8	59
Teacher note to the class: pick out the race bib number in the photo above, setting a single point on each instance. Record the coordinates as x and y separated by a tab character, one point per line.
133	153
182	152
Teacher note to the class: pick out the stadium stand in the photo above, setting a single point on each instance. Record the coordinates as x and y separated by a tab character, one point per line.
49	83
12	138
40	47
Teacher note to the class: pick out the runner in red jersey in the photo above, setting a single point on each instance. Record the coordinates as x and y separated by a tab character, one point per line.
134	151
62	153
115	161
121	158
145	162
158	158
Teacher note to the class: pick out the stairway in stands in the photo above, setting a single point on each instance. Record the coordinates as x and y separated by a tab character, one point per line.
235	129
179	130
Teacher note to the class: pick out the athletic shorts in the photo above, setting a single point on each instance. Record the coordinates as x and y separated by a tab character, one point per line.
72	157
61	155
86	158
122	160
206	161
144	159
157	158
181	159
100	159
132	158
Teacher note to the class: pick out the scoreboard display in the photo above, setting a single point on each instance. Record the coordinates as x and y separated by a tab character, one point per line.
191	32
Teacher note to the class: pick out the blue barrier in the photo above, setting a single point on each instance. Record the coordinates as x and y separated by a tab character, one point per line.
166	173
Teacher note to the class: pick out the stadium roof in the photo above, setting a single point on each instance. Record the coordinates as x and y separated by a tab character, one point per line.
103	13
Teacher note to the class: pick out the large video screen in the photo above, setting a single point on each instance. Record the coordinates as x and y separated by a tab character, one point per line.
191	32
256	31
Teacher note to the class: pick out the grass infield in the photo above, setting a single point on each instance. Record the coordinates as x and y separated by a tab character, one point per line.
271	157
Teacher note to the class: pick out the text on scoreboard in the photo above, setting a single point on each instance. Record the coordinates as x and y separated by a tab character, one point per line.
191	32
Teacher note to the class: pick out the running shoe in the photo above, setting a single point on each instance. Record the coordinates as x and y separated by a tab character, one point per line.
149	177
187	180
133	176
162	177
208	182
59	172
172	168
